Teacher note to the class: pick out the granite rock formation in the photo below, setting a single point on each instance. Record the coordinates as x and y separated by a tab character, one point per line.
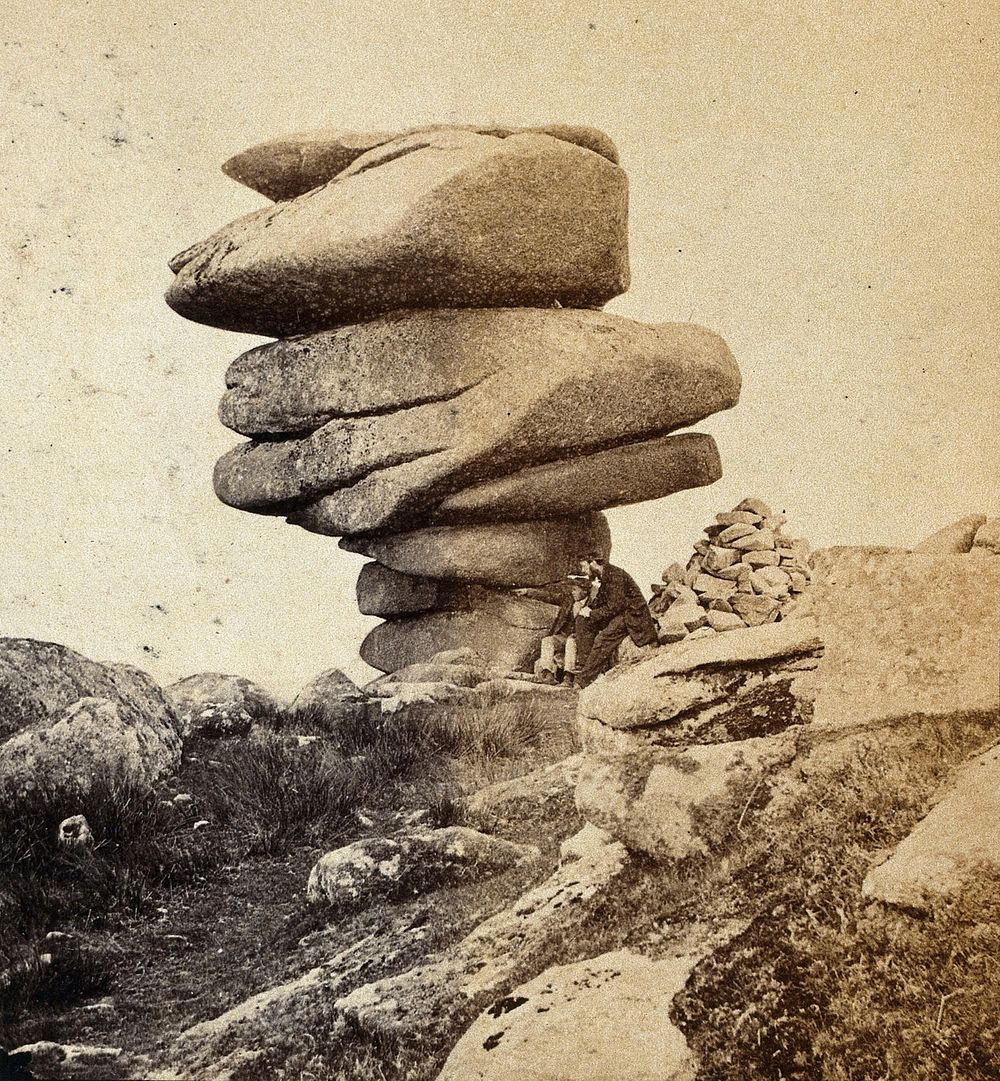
445	394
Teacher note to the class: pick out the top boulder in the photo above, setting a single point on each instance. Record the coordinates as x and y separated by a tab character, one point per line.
452	219
289	166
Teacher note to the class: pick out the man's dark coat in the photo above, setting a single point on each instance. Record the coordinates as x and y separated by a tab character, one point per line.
620	596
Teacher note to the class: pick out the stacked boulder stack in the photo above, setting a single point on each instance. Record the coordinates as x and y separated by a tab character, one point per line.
746	573
444	393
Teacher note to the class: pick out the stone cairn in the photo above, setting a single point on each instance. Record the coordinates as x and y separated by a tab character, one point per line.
444	393
746	573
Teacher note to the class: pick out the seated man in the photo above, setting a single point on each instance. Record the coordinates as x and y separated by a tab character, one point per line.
558	647
618	609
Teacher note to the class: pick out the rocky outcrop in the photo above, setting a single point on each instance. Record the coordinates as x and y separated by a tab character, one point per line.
219	705
68	721
905	633
503	951
408	864
680	744
444	394
949	847
747	572
954	539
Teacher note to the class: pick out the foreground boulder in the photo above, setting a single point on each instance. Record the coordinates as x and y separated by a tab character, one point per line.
605	1019
219	705
456	219
408	864
948	848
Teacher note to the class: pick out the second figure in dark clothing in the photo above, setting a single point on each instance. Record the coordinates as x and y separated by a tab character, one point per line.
619	610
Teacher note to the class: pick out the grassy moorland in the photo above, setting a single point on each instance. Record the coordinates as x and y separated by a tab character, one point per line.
193	897
175	924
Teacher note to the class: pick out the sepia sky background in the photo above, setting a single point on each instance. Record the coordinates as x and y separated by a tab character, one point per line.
816	185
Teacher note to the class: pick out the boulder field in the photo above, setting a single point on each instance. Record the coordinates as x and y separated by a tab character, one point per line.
444	393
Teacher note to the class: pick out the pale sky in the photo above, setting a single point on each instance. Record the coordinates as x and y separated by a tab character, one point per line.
815	185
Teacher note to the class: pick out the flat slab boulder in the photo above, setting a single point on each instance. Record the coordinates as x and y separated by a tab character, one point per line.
291	165
702	681
401	642
450	219
947	848
604	1019
409	864
218	704
507	554
628	474
525	397
905	633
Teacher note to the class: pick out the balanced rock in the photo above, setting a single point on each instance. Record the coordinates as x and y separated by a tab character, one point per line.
217	704
291	165
510	554
454	219
361	473
954	539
